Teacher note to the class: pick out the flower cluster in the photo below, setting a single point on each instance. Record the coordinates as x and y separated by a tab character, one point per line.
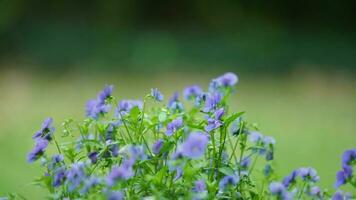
191	148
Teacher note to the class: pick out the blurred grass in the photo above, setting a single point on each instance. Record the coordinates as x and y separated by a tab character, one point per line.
311	115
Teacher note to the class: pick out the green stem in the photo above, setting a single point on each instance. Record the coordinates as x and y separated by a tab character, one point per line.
302	190
213	157
55	141
127	129
237	141
222	144
253	164
232	153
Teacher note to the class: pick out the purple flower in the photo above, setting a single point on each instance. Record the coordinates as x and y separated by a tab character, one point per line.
194	147
215	122
348	156
156	94
315	192
199	186
341	196
228	181
173	126
267	170
59	176
38	150
46	130
157	146
245	163
343	176
75	175
291	178
191	92
105	93
212	102
123	172
57	158
227	80
308	174
93	156
116	195
200	99
137	152
125	106
255	136
89	183
174	103
95	107
279	190
179	173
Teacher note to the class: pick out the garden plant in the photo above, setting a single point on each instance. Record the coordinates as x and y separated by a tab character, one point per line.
194	146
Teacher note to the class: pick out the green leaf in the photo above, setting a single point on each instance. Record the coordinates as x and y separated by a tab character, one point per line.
227	171
232	117
162	116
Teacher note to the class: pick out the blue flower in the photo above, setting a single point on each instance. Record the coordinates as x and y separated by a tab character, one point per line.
59	176
46	130
267	170
157	146
179	173
279	190
173	126
156	94
57	158
315	192
199	186
174	104
113	149
194	147
343	176
255	136
200	99
212	102
348	156
308	174
105	93
95	107
227	80
123	172
38	150
341	196
228	181
245	163
291	178
125	106
192	92
75	175
215	122
93	156
137	152
89	183
115	195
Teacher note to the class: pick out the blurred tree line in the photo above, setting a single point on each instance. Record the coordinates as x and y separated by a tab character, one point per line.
256	35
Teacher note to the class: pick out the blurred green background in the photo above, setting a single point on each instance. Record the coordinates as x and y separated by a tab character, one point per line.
295	60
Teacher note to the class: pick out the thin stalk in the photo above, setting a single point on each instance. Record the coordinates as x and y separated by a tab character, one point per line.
233	153
237	141
55	141
253	164
222	144
302	190
214	154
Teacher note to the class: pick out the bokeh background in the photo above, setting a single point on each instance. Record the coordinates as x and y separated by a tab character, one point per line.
295	60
